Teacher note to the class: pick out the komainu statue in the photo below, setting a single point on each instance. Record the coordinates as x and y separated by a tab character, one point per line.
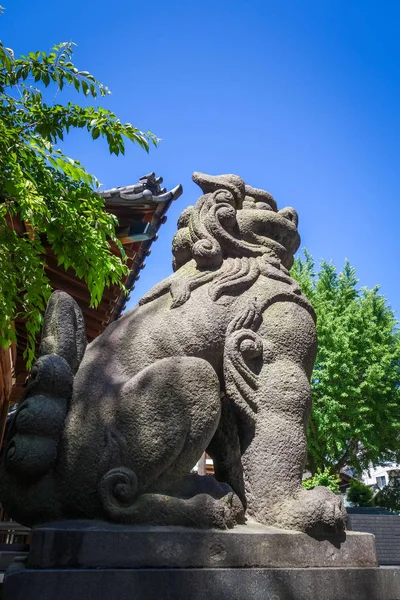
216	357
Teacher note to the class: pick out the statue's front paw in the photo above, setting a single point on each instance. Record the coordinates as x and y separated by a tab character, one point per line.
317	511
233	511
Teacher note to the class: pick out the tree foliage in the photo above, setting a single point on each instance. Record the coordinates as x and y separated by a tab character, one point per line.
359	494
49	191
389	497
355	418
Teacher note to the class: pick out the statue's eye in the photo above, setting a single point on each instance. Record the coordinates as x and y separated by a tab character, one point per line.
263	206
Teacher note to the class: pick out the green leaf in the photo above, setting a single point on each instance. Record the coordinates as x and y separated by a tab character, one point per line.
85	88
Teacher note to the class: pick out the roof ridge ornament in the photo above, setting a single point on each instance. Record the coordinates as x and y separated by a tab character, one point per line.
147	190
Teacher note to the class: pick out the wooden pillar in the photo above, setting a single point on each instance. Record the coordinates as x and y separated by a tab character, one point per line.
202	465
7	360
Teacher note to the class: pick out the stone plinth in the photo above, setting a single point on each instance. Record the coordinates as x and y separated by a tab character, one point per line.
93	544
85	559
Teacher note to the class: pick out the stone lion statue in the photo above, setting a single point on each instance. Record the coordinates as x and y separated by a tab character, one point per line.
216	357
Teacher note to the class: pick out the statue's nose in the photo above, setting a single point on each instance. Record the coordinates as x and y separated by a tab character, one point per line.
290	214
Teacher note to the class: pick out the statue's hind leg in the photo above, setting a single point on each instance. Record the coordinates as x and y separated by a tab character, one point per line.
225	450
201	511
161	423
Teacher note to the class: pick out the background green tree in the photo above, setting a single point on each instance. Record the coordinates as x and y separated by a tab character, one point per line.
53	193
359	494
355	418
389	497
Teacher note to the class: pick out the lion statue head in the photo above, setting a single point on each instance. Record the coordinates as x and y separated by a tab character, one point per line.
233	233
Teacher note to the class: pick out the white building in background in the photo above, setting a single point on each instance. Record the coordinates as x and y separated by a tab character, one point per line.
378	477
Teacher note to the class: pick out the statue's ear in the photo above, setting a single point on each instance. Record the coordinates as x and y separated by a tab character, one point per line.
64	330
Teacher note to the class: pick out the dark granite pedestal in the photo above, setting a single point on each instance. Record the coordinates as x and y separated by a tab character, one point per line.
92	560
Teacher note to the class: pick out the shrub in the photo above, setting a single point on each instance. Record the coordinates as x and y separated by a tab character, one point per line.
324	478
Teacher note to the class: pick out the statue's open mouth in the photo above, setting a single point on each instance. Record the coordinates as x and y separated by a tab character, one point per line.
276	231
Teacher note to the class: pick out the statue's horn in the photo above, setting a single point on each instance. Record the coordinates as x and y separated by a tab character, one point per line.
212	183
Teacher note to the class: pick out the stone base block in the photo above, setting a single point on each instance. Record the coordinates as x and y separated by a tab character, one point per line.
94	544
203	584
87	559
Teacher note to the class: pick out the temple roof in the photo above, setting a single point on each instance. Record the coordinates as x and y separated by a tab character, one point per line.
141	210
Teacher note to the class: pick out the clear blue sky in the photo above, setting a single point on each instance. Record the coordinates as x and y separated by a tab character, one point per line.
298	97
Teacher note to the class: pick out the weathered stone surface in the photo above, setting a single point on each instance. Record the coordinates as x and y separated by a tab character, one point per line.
204	584
89	559
217	356
94	544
